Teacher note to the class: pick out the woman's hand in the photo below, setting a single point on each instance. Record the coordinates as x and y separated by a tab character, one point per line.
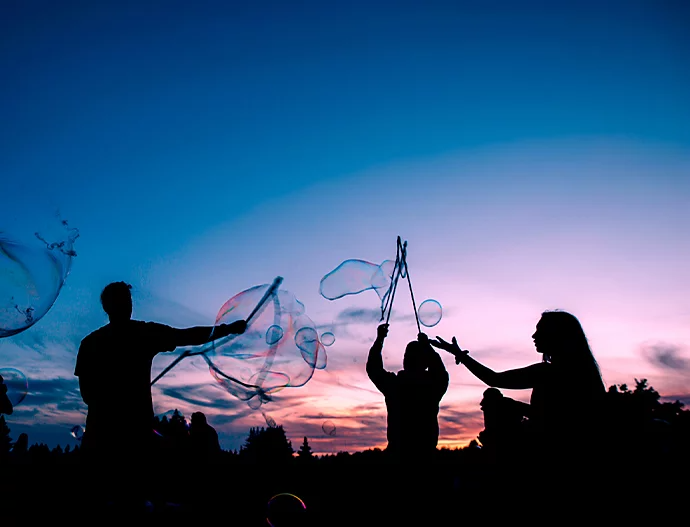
452	348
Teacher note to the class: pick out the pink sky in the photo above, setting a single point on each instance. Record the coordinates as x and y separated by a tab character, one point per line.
597	228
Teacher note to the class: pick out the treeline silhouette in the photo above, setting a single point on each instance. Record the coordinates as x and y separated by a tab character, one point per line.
644	450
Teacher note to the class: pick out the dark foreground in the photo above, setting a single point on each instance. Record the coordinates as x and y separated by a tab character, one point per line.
349	490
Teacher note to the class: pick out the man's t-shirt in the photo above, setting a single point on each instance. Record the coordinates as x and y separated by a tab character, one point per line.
114	364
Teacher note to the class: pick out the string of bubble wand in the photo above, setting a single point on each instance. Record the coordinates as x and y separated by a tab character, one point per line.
400	269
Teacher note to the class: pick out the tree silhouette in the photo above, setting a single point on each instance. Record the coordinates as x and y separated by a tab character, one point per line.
39	453
5	439
305	453
647	434
267	445
643	426
174	427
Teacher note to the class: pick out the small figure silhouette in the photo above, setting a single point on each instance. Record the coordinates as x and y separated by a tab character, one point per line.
567	387
412	396
5	403
203	437
111	443
503	424
21	446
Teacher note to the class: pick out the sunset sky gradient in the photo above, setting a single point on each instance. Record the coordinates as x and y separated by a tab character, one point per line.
535	155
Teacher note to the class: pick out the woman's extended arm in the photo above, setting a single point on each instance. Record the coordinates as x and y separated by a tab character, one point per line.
517	379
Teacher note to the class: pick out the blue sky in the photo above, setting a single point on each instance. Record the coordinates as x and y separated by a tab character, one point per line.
533	155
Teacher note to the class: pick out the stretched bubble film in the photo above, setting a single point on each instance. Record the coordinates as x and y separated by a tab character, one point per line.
354	276
279	349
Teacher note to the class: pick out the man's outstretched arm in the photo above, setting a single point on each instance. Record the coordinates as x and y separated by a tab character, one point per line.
198	335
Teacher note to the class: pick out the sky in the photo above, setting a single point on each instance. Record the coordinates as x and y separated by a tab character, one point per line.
534	155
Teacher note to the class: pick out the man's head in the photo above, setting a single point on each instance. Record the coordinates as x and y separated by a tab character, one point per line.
415	358
116	300
198	419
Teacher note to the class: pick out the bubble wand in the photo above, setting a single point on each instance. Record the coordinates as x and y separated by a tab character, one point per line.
400	270
188	353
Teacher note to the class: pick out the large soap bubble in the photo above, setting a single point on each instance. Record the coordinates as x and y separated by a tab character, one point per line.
279	349
32	273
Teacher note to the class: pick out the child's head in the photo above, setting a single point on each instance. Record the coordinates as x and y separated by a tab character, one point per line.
492	396
415	358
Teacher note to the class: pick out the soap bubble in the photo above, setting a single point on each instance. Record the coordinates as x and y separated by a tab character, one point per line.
327	338
429	313
328	428
77	432
286	510
269	420
16	383
273	334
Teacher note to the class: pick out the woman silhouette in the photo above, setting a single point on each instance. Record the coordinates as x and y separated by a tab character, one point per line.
567	387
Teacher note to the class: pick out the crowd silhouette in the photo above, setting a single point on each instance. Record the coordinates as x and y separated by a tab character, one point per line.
572	446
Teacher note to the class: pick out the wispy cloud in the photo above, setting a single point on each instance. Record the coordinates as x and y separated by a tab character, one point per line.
667	355
358	315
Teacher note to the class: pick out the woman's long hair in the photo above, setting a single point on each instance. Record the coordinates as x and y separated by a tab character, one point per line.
572	354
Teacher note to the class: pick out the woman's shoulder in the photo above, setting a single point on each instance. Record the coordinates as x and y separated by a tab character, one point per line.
542	371
541	367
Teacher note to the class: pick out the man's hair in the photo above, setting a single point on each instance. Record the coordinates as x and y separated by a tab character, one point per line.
115	295
199	417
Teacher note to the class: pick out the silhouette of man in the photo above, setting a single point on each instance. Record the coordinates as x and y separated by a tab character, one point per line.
412	396
203	437
5	403
119	422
